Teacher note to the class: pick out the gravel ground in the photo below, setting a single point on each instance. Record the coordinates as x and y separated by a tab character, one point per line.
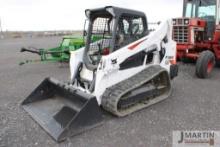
193	105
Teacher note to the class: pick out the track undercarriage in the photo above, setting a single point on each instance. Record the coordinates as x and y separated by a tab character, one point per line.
141	90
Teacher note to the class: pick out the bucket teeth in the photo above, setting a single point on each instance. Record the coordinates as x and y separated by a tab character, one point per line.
61	110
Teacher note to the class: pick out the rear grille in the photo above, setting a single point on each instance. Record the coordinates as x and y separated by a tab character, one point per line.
180	34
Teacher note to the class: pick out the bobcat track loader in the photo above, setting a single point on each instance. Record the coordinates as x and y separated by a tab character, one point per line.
128	69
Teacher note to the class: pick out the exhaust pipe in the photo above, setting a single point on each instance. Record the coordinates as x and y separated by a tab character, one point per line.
61	110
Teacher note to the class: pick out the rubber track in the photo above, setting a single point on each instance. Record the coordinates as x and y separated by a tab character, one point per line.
113	94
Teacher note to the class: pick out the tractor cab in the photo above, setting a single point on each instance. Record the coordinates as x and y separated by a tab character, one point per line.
206	10
115	28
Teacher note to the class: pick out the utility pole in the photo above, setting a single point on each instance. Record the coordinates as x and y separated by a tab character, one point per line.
1	30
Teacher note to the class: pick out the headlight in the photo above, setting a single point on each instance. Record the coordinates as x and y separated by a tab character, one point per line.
186	22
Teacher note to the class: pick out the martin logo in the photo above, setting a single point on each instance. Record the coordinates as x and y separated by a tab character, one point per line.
196	139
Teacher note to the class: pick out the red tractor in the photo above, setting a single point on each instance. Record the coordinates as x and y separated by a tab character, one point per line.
197	35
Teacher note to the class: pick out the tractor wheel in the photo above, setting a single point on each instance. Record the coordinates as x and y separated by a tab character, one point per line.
205	64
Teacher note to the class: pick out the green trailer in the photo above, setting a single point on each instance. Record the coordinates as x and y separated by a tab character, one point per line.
57	54
60	53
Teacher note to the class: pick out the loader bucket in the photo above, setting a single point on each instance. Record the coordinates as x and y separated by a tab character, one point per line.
61	110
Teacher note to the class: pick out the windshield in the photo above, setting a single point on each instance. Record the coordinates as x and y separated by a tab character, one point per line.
204	11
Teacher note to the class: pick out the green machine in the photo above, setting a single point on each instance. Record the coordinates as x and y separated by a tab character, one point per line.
57	54
60	53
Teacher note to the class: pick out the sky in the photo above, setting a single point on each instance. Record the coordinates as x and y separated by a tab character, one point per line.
37	15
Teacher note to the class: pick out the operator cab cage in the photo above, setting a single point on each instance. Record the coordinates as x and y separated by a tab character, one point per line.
114	28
